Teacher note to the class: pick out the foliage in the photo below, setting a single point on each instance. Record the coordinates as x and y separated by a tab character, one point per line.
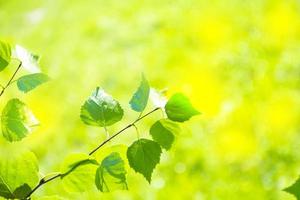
81	172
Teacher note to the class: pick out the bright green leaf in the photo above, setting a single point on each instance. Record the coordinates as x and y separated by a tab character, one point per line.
79	172
143	155
179	108
31	81
101	110
5	55
29	60
16	120
18	172
294	189
163	132
140	98
111	174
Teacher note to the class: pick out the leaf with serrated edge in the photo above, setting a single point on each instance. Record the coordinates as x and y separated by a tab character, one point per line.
111	174
179	108
143	155
140	98
163	132
16	120
101	109
18	171
5	55
78	172
29	82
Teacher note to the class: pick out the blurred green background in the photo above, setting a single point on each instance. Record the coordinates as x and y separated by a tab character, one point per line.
237	60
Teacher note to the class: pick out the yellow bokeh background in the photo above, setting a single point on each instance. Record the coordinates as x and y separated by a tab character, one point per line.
238	62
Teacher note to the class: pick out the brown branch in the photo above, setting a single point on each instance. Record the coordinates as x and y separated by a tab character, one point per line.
10	80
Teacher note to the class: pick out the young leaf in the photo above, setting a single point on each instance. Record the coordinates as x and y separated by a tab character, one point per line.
18	172
31	81
179	108
5	55
101	110
111	174
16	120
157	98
163	132
294	189
143	155
140	98
78	172
29	60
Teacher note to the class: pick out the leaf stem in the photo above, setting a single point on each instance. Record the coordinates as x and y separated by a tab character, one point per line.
44	181
10	80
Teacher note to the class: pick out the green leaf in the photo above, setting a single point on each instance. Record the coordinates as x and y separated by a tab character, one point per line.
111	174
294	189
31	81
16	120
79	172
179	108
18	172
5	55
140	98
163	132
29	60
101	110
143	155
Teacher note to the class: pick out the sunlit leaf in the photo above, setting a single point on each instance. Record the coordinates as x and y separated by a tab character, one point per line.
18	172
111	174
140	98
101	109
157	98
163	132
179	108
143	155
16	120
5	55
29	60
79	172
294	189
31	81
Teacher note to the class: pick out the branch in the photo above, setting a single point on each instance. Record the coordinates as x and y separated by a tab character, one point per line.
10	80
43	181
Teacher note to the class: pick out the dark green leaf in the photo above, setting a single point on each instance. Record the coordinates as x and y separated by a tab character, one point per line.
101	110
163	132
140	98
79	172
18	172
179	108
31	81
5	55
294	189
143	155
16	120
111	174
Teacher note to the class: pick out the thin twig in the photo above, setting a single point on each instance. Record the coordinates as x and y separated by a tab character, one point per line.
10	80
43	181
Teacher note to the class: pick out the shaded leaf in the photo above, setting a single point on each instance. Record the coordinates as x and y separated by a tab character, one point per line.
18	172
31	81
101	110
5	55
179	108
111	174
294	189
16	120
140	98
78	172
29	60
143	155
163	132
